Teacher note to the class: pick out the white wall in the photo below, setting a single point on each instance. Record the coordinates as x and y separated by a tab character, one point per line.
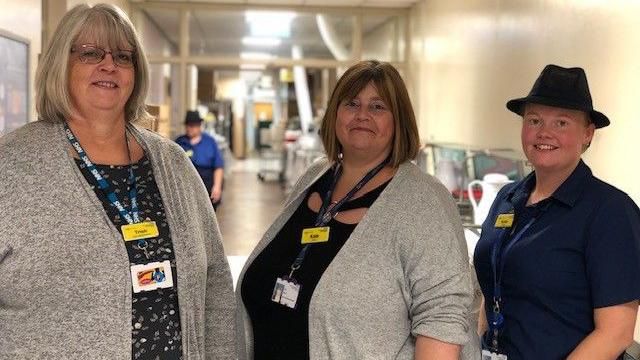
469	58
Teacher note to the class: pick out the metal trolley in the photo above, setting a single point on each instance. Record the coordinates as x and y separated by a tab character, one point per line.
271	150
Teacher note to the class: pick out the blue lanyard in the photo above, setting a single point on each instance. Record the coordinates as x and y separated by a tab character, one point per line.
497	321
131	217
497	273
327	213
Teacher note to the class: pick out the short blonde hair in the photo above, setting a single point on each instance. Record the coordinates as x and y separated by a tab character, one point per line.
109	26
391	88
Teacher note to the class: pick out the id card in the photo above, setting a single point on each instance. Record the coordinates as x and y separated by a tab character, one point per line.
315	235
151	276
504	221
189	153
286	292
142	230
488	355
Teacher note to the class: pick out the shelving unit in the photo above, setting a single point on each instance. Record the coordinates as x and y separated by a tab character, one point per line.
456	165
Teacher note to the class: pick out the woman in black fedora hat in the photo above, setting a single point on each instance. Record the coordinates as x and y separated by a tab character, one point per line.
559	256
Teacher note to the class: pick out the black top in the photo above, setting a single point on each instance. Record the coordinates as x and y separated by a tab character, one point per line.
155	315
281	332
581	253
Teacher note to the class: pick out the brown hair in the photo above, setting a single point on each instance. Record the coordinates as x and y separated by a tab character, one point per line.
392	90
107	25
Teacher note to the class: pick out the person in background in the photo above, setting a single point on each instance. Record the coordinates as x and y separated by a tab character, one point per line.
109	248
559	255
367	260
203	151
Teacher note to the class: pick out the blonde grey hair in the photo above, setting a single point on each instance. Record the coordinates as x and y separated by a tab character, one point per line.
391	88
106	25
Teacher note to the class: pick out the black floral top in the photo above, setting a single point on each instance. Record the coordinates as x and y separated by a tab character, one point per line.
155	314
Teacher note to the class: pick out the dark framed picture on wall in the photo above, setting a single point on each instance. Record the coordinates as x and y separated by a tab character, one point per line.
14	81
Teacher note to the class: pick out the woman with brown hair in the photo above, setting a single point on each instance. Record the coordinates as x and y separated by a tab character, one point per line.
367	260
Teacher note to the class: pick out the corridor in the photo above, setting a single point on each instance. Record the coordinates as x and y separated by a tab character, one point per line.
248	207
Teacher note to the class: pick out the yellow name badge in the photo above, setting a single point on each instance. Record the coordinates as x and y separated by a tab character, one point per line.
143	230
315	235
504	221
189	153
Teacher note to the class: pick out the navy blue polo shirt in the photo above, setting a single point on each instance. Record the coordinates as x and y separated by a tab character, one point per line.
582	252
204	155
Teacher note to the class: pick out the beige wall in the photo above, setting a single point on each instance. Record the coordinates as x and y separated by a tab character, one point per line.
123	4
160	75
469	58
24	18
385	42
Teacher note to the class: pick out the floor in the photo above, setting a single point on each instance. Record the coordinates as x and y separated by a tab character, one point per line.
248	208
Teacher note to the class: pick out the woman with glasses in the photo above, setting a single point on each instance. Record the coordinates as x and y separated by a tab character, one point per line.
367	260
109	246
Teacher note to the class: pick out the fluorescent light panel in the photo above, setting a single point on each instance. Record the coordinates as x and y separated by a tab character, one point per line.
252	66
261	41
269	23
255	55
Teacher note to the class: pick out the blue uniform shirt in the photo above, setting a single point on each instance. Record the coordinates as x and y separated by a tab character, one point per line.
204	155
582	252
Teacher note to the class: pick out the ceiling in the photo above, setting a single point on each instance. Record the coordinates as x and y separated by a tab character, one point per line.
315	3
220	33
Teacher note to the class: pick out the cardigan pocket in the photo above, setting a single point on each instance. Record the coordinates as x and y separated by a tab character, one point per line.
5	251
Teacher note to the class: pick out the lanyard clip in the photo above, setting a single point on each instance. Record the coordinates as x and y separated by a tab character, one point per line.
497	319
496	305
294	267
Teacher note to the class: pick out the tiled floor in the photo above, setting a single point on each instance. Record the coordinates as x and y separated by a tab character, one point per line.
248	207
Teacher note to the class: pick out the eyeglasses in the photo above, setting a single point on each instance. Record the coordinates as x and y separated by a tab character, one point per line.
376	107
91	54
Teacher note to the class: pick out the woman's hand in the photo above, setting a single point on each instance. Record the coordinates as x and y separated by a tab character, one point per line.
215	194
431	349
216	190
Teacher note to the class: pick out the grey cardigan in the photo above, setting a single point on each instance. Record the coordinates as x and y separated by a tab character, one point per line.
403	272
65	288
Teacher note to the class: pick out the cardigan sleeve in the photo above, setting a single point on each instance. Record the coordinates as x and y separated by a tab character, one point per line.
220	304
436	268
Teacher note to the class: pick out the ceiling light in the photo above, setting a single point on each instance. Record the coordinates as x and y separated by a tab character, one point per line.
261	41
261	15
252	67
269	23
256	55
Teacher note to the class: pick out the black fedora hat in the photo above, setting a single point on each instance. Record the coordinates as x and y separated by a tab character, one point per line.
565	88
192	118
